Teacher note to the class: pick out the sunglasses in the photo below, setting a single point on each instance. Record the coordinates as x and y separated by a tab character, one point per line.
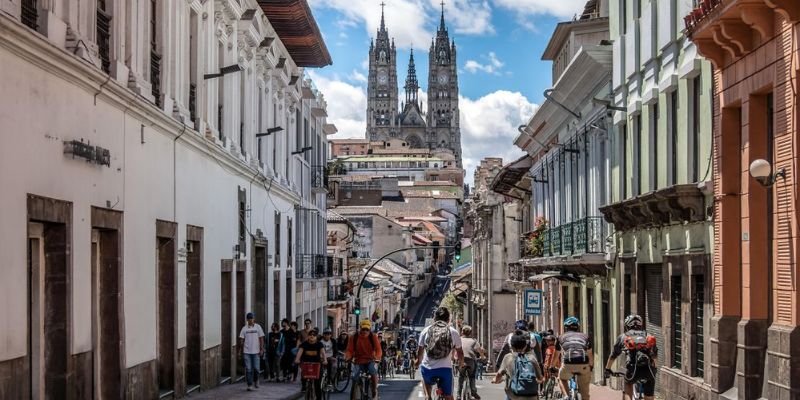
364	329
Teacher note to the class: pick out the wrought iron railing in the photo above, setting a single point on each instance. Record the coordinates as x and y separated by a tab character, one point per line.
583	236
319	177
155	75
312	266
335	266
30	14
193	102
335	292
104	39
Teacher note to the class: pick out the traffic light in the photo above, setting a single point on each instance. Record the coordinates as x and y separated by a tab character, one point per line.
457	251
357	308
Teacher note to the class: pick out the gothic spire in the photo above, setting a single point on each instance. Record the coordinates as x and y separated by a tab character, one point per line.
442	27
383	23
412	86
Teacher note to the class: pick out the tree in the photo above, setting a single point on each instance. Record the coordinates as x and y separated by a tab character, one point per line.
456	309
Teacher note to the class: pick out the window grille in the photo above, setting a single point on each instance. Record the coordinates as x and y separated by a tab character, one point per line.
193	101
697	305
104	36
30	14
677	327
155	58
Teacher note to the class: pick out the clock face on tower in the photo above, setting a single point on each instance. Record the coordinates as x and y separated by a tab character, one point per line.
382	77
442	78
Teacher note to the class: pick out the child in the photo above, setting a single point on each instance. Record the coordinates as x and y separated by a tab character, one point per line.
521	370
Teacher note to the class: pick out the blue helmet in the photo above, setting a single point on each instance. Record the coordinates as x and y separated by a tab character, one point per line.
572	321
521	325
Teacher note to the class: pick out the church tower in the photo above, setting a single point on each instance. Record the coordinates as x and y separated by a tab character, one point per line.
443	115
382	96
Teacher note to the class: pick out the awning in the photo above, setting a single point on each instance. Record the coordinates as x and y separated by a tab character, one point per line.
513	180
580	265
296	27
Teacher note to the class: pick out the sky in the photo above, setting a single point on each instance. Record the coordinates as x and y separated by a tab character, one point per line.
499	49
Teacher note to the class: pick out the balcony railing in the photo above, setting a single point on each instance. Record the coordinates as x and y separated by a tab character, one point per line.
104	39
583	236
336	266
335	292
312	266
155	75
319	178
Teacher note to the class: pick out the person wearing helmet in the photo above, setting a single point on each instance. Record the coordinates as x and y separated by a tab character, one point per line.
642	353
520	326
574	348
364	350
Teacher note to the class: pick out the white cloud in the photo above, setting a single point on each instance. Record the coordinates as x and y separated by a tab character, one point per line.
557	8
347	105
489	126
358	77
492	66
413	22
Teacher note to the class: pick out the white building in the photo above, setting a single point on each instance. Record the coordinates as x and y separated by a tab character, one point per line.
142	213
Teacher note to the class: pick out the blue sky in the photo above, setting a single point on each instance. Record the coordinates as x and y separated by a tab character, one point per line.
500	44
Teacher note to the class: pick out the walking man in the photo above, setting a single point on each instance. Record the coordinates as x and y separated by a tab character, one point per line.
251	346
472	351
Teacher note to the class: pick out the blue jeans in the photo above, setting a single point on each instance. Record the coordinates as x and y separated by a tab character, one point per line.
251	363
357	368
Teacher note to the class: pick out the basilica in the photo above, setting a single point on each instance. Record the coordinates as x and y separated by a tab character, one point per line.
435	127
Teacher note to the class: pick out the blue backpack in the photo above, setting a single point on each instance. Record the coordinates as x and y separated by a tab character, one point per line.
524	383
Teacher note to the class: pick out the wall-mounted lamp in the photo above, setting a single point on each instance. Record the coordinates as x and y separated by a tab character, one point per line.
224	71
269	131
303	150
761	170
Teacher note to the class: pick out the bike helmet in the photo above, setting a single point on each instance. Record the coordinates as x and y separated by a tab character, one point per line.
634	321
572	322
521	325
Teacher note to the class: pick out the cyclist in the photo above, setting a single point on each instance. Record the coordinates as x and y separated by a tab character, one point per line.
411	349
575	350
437	342
551	363
642	352
312	351
364	349
533	345
522	384
330	351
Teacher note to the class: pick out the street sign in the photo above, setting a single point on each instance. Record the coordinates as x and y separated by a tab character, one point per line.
533	302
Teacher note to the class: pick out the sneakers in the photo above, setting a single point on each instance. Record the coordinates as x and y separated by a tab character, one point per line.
249	388
475	396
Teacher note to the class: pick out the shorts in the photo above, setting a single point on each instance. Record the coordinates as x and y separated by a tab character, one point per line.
445	376
369	367
642	374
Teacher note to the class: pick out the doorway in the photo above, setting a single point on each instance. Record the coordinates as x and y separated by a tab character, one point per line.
226	305
165	296
260	284
194	307
240	310
106	303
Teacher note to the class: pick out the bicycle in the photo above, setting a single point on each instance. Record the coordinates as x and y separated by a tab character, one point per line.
464	388
362	387
572	388
341	378
311	374
638	386
548	388
390	368
382	369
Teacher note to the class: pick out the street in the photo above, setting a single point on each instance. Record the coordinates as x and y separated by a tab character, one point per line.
405	389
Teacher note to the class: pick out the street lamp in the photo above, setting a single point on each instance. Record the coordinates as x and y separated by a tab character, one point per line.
301	151
269	131
761	170
224	71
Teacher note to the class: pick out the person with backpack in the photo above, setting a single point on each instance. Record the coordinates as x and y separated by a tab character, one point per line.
575	350
520	369
533	344
472	351
364	350
436	342
642	353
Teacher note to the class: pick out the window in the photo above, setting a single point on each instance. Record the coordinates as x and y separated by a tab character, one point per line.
30	14
277	240
677	328
623	160
193	33
673	138
155	58
695	135
242	113
623	15
698	314
655	116
104	35
637	155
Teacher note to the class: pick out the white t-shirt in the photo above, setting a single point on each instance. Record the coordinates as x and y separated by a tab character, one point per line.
250	334
443	362
328	345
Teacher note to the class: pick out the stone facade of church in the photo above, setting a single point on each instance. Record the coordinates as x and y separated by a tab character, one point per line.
434	127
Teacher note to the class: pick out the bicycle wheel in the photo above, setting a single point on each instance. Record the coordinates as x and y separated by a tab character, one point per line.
311	394
342	380
355	392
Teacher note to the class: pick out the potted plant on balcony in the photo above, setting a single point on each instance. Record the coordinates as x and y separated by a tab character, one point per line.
534	241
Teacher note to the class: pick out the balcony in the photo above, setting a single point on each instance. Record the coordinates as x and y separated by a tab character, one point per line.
312	266
584	236
336	294
335	266
319	179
